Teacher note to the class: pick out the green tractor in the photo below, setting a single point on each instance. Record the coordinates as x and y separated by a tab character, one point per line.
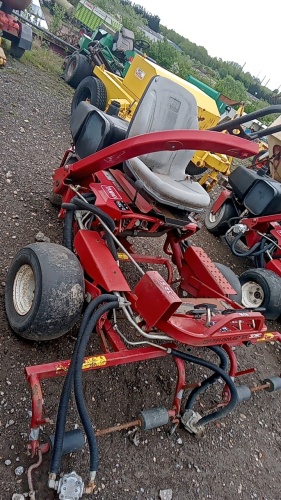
114	51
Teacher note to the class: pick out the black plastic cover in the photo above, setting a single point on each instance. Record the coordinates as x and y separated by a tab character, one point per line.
93	130
264	197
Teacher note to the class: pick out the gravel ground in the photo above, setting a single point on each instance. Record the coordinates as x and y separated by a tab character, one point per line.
239	457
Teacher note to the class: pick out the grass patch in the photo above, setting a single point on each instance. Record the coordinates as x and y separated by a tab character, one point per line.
5	44
42	57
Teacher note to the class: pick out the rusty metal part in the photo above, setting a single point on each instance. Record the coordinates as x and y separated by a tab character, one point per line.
121	427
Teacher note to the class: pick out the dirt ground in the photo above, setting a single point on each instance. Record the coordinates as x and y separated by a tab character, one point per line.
238	458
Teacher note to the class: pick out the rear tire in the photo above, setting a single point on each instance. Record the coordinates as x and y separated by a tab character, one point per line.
44	291
262	288
91	89
77	68
217	224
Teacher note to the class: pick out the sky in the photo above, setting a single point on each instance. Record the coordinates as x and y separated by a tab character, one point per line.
240	31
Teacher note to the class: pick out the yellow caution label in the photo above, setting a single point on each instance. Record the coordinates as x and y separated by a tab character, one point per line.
90	362
62	368
122	256
267	337
94	361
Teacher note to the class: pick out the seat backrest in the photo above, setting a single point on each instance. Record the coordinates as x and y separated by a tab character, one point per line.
124	40
93	130
165	105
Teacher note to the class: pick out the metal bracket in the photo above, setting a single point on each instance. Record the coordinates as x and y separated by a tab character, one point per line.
70	487
190	420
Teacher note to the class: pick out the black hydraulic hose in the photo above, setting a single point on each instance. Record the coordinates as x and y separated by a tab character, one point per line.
252	252
265	132
78	385
68	223
67	386
210	380
231	124
95	210
233	219
104	217
259	259
228	380
68	220
71	207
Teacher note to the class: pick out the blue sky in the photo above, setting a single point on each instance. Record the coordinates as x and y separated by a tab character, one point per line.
240	31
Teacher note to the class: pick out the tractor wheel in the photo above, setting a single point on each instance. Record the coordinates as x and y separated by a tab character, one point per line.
16	51
217	224
77	68
44	291
91	89
262	288
233	280
191	169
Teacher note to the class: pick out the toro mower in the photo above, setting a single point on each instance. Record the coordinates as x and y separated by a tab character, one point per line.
248	213
117	182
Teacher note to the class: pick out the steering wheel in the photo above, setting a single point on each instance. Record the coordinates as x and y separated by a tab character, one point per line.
141	44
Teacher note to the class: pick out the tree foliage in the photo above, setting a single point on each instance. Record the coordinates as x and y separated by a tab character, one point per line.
168	57
153	21
233	89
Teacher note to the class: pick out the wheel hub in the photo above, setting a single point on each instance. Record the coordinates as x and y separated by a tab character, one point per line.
213	217
71	69
252	294
23	290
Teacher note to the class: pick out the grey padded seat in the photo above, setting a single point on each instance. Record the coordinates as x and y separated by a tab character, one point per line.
124	40
166	105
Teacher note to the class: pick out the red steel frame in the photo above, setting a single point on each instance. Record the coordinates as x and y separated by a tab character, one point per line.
271	226
257	226
9	24
198	275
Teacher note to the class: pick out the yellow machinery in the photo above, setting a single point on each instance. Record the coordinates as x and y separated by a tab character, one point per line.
3	59
129	90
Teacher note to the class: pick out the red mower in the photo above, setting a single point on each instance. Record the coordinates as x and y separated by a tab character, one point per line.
117	182
248	214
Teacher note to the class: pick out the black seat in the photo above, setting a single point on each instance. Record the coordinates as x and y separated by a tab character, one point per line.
241	180
93	130
260	194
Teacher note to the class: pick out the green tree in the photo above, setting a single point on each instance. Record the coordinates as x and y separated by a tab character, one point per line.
57	19
231	88
164	53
